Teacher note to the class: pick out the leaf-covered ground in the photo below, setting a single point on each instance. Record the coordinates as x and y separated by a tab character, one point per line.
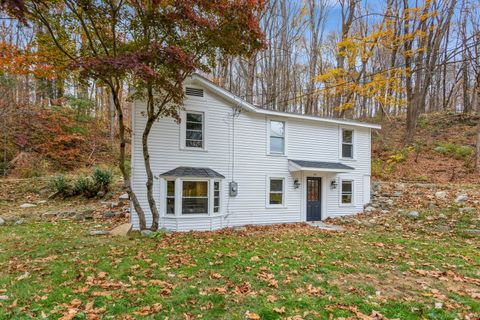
396	268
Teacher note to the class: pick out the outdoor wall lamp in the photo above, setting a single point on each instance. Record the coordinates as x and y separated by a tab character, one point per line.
296	184
333	184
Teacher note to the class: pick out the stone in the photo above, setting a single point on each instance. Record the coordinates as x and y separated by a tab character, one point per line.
239	228
2	222
461	198
42	201
28	205
99	232
19	222
146	233
467	210
472	230
389	202
400	186
442	216
122	230
114	204
66	214
372	221
112	214
84	214
3	298
124	197
101	194
432	206
441	195
369	209
49	215
413	215
430	218
438	305
385	211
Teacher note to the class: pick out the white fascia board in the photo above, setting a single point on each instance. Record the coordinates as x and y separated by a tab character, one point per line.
237	101
305	117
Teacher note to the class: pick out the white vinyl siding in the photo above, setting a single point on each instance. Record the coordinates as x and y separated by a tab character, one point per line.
304	140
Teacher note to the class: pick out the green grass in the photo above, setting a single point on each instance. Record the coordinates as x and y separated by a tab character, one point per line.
304	271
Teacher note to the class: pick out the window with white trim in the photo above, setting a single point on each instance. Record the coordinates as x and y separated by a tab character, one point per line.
195	197
276	192
347	192
216	196
170	197
347	143
277	137
194	130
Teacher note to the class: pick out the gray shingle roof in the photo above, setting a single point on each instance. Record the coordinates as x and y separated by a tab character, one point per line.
192	172
321	164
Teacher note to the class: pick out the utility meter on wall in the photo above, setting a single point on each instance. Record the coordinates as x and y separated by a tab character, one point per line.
233	189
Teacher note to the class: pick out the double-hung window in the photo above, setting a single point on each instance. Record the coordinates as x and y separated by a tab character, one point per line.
216	196
276	192
347	144
171	197
347	192
195	130
195	197
277	137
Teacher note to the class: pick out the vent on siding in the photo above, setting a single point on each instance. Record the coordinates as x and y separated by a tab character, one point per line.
194	92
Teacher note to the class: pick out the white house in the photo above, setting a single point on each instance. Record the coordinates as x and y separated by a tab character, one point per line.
230	163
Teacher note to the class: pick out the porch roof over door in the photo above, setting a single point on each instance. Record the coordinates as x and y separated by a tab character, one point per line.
317	166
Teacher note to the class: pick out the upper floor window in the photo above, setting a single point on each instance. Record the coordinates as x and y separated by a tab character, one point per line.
347	143
277	137
194	133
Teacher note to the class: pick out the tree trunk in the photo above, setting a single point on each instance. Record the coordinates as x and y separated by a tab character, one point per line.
146	158
122	154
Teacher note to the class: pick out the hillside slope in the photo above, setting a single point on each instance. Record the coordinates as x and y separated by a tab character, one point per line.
443	150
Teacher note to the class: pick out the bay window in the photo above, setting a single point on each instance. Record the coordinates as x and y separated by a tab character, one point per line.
170	197
195	197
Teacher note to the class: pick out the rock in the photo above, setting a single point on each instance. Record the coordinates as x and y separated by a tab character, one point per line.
413	215
84	214
399	186
66	214
372	221
239	228
112	214
441	195
19	222
122	230
28	205
472	230
124	197
467	210
431	206
2	222
114	204
98	232
369	209
3	298
442	216
101	194
42	201
398	227
438	305
146	233
49	215
461	198
389	202
385	211
430	218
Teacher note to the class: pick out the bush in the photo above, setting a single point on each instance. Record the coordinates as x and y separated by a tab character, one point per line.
102	178
85	186
59	184
455	150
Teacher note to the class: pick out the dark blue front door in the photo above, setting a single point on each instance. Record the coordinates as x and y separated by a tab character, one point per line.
314	204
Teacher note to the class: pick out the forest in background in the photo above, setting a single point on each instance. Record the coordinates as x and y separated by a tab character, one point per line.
352	59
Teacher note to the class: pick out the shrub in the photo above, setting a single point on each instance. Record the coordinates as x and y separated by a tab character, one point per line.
59	184
102	178
85	186
455	150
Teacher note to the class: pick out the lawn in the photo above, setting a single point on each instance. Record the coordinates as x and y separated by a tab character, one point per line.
396	268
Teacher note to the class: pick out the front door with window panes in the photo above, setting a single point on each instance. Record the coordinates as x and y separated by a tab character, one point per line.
314	204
